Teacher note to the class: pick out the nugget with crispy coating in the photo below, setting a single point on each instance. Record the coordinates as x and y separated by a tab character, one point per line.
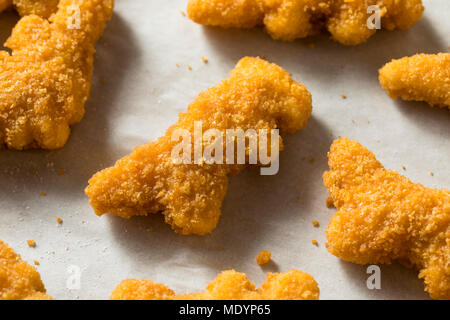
257	95
42	8
383	216
18	280
293	19
228	285
46	81
422	77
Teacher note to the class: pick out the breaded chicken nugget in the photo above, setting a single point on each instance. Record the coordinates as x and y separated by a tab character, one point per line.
46	81
228	285
293	19
257	95
42	8
383	216
422	77
18	280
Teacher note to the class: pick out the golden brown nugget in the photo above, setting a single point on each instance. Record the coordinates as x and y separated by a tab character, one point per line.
228	285
18	279
293	19
257	95
42	8
383	216
422	77
46	81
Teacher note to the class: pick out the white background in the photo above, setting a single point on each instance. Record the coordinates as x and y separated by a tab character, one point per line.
137	93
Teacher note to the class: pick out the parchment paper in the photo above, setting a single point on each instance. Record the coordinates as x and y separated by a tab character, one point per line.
138	92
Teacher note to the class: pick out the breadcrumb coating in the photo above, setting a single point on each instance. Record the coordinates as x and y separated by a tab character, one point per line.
46	81
228	285
383	216
42	8
293	19
422	77
18	279
257	95
263	257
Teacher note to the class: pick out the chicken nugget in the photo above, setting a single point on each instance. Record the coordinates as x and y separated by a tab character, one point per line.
422	77
383	217
228	285
347	21
257	95
18	279
42	8
46	81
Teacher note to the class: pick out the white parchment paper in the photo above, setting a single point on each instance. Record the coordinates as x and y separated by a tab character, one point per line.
138	91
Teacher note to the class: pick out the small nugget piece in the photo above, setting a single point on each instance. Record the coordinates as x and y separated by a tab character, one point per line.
46	81
263	257
383	216
293	19
422	77
228	285
18	279
257	95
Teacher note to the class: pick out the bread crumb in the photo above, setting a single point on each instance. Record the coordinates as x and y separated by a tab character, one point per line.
204	60
315	223
178	65
43	193
263	257
150	229
315	242
330	202
183	13
403	167
36	263
61	172
189	67
31	243
312	160
220	249
431	173
59	220
343	96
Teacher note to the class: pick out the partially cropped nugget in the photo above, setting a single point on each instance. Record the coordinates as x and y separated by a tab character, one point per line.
46	81
422	77
287	20
228	285
18	280
42	8
383	216
257	95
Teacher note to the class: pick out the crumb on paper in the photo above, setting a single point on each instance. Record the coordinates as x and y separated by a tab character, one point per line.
315	223
263	257
330	202
43	193
312	160
343	96
36	263
178	65
59	220
61	172
31	243
403	167
150	229
189	67
204	60
220	249
183	13
299	198
431	173
315	242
